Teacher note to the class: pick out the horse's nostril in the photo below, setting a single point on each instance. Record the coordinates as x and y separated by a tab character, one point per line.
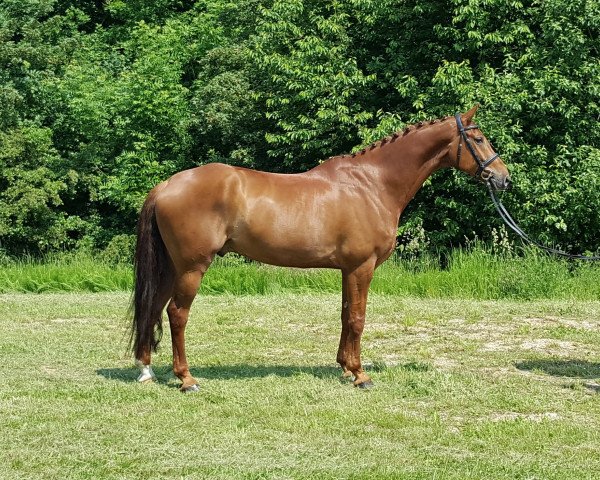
507	182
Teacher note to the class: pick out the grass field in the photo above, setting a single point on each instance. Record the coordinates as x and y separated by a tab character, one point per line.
465	389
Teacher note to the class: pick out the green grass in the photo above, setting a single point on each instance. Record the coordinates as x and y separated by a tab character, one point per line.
474	274
464	390
77	273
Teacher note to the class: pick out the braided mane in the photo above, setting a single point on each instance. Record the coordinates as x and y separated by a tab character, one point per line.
402	133
393	137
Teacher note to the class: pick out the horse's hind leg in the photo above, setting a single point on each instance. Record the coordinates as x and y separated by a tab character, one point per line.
143	359
178	310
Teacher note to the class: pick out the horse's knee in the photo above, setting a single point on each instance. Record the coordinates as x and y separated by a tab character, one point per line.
356	324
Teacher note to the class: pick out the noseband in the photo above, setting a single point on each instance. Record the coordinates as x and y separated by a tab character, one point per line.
463	137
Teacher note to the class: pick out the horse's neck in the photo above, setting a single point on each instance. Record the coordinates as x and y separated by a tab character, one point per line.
406	163
395	169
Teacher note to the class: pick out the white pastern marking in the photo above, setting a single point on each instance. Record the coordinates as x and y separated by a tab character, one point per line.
146	373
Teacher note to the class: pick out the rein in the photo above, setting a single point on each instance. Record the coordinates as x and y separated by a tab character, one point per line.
510	222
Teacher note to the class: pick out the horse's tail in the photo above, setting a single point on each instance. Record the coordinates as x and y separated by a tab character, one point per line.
153	275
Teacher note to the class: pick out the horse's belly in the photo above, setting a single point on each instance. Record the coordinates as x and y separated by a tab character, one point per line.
283	250
305	245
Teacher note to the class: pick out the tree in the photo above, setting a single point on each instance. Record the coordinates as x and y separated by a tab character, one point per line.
102	100
312	86
36	44
534	67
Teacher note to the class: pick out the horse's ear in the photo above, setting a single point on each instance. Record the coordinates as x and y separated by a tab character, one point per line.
468	117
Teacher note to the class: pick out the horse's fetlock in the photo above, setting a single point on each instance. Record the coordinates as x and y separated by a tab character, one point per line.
181	372
146	372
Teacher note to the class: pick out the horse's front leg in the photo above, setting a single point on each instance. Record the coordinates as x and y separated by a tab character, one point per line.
354	297
341	356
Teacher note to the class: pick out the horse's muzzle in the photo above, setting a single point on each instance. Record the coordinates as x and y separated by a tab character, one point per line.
502	183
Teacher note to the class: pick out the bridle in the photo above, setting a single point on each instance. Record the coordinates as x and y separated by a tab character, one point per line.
485	176
482	165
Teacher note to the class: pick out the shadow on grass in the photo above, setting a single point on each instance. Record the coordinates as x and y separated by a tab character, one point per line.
164	374
562	368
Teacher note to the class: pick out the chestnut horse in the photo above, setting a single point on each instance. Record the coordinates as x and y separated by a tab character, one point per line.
342	214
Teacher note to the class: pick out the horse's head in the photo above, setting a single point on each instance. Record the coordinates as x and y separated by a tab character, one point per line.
472	153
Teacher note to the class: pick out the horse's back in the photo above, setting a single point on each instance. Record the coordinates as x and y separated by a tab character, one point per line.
220	187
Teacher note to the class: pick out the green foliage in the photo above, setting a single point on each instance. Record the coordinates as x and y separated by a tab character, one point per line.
534	67
226	119
35	47
128	104
30	192
313	86
119	251
100	101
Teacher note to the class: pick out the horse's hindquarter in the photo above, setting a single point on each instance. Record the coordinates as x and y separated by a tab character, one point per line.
195	212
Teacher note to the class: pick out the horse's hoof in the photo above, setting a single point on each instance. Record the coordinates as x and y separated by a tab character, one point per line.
146	380
190	389
347	377
366	385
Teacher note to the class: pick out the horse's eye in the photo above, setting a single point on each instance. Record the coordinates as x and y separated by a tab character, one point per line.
479	139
